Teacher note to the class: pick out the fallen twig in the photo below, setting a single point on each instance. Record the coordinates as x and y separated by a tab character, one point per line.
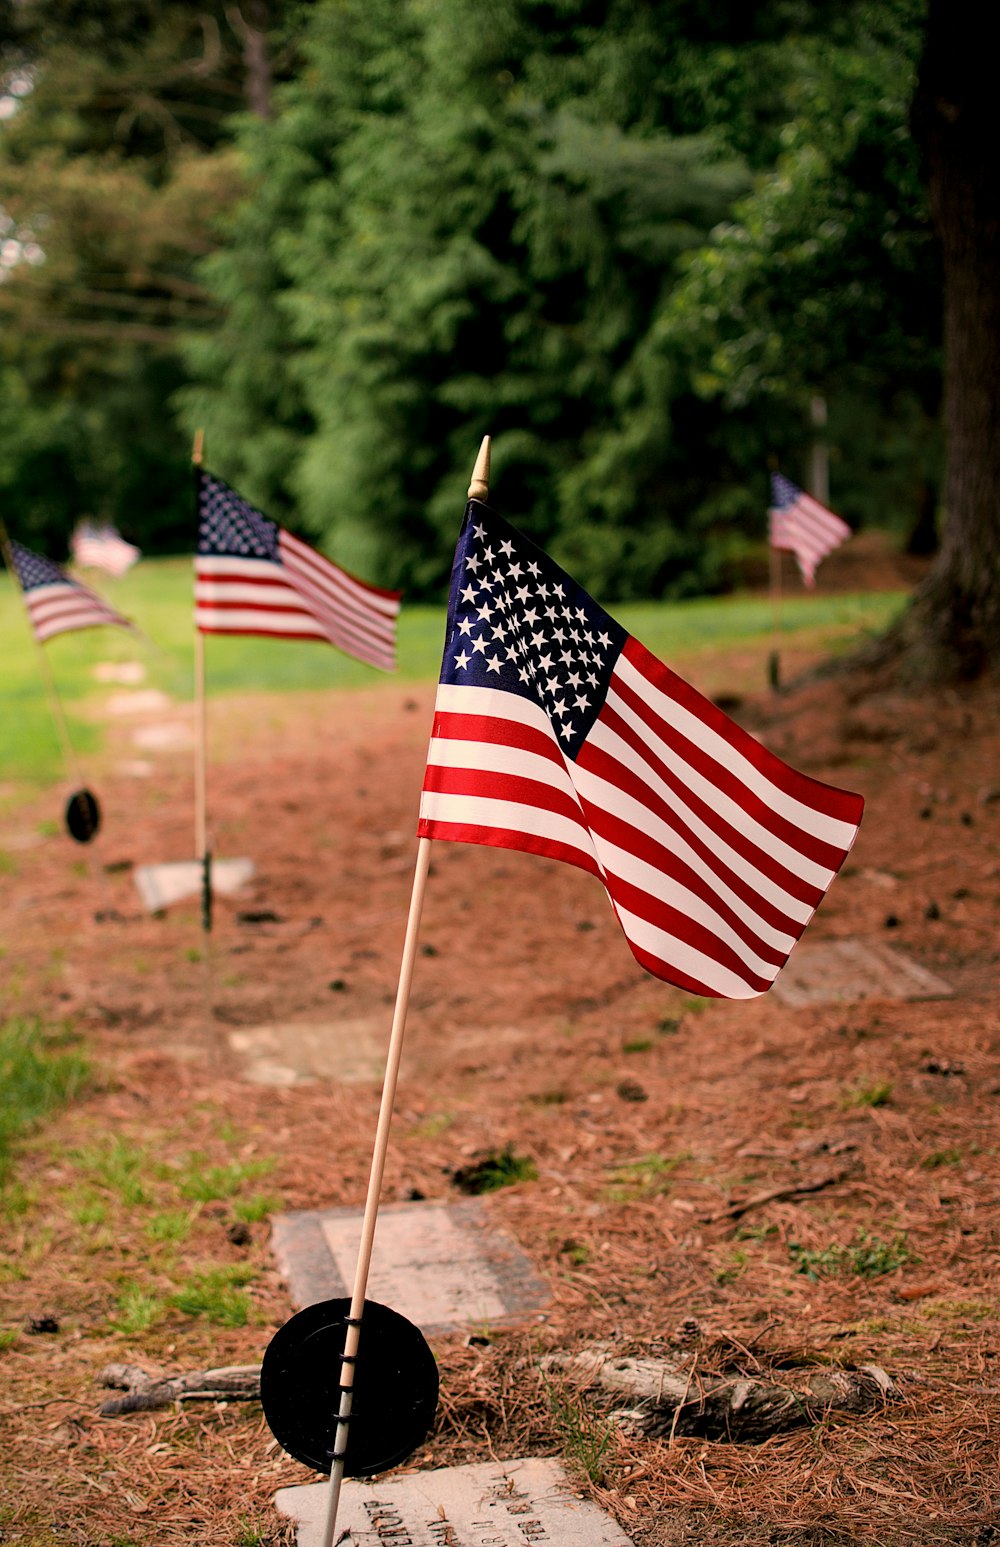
788	1190
232	1383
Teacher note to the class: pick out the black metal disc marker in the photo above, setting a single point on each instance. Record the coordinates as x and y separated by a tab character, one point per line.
395	1387
83	816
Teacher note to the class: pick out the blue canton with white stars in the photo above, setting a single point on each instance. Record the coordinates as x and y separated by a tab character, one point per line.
33	570
518	622
229	527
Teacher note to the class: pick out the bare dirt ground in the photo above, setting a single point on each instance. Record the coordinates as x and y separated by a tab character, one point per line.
651	1119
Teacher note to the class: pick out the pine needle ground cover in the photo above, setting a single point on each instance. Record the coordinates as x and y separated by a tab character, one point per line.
744	1187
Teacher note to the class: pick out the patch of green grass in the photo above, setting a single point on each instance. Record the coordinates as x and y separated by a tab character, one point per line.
643	1178
556	1097
8	864
86	1208
250	1533
877	1095
39	1072
728	1272
433	1126
8	1337
119	1168
136	1309
501	1168
948	1157
958	1310
206	1184
169	1225
217	1295
252	1210
157	595
755	1232
866	1257
586	1435
638	1045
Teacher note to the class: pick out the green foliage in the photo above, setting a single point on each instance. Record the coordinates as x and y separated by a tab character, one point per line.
877	1095
115	159
629	241
500	1168
646	1177
206	1183
947	1157
136	1310
586	1435
39	1072
866	1257
217	1296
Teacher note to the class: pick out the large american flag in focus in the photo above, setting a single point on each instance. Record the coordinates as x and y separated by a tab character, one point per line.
557	733
803	526
253	577
101	547
57	603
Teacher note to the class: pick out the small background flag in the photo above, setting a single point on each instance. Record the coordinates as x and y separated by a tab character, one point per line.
557	733
253	577
57	603
803	526
101	547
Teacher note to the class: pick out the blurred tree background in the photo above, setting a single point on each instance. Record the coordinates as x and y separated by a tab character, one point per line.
633	240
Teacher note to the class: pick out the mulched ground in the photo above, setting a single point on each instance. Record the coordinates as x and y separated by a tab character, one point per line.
651	1119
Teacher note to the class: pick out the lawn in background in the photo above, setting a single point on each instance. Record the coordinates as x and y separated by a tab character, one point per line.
157	595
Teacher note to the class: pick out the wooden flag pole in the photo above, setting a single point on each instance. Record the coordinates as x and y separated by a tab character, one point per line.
774	667
353	1337
478	490
200	740
55	705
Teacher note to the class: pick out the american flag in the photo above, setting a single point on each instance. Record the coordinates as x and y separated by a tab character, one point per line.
557	733
253	577
56	603
803	526
101	547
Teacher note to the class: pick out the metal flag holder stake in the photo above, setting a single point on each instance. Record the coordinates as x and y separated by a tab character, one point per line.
82	815
206	876
393	1347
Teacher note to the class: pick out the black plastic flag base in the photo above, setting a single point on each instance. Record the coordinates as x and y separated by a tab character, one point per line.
774	671
395	1388
83	816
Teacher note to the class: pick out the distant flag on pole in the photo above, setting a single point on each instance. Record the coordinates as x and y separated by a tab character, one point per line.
253	577
557	733
803	526
101	547
57	603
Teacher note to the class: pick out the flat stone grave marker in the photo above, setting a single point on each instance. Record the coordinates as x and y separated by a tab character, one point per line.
846	971
439	1264
284	1053
161	885
163	738
127	672
488	1504
139	701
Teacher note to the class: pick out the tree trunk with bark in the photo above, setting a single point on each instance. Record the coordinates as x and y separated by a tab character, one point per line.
952	629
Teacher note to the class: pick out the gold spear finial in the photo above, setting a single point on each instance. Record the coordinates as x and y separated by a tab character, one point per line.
198	447
479	488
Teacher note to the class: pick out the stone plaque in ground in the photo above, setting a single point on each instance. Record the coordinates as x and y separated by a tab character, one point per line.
161	885
490	1504
847	971
439	1264
350	1052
